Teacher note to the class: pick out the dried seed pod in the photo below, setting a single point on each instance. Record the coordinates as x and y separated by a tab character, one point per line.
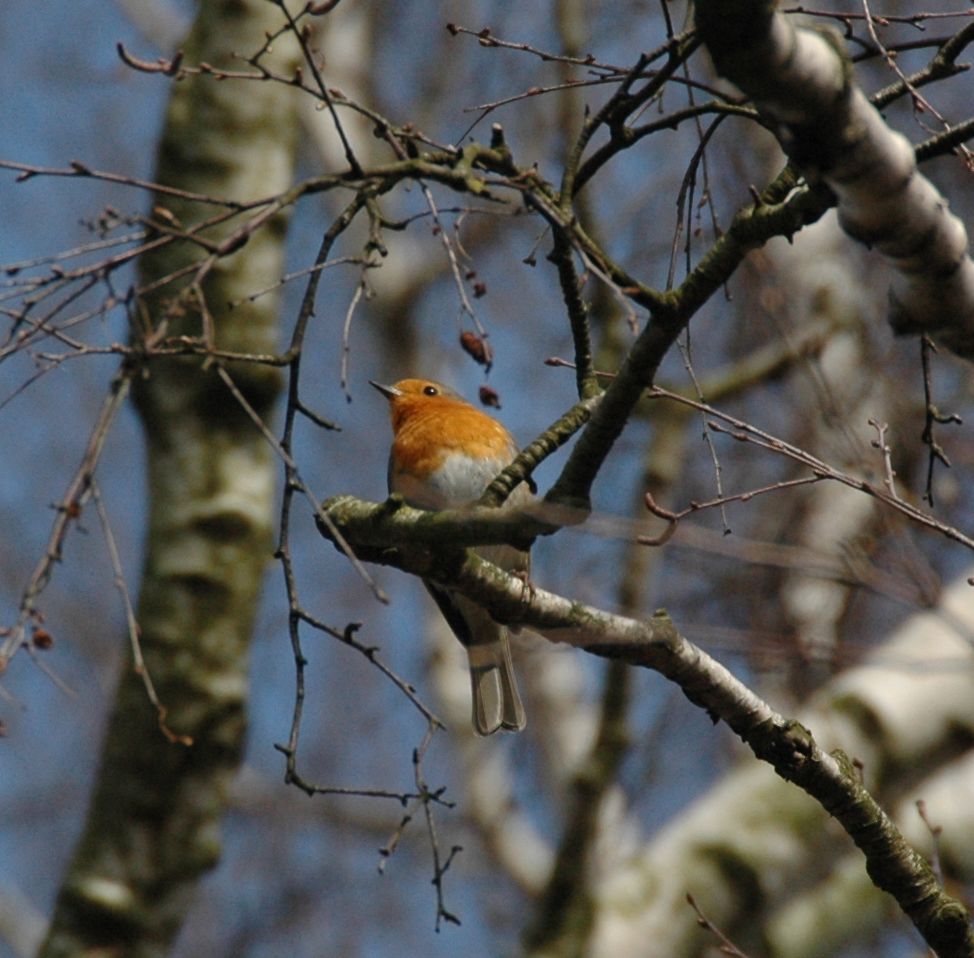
490	397
477	348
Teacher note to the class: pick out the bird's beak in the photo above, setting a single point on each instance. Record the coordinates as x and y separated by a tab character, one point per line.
390	392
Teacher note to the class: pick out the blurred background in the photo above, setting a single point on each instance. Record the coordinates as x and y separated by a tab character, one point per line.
808	582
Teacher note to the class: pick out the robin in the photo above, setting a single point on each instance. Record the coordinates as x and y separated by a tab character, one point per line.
444	454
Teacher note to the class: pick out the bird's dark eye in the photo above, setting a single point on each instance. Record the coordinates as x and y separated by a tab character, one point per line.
430	391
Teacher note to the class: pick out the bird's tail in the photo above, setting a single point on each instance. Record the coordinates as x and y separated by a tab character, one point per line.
496	702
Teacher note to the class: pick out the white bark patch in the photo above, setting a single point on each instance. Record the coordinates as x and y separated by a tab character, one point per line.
827	125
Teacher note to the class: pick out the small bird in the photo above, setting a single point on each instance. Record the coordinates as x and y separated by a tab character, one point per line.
444	454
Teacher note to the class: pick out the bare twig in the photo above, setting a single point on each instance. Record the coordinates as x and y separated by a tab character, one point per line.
69	510
78	169
727	947
465	304
440	864
323	91
296	479
932	416
745	432
132	625
346	334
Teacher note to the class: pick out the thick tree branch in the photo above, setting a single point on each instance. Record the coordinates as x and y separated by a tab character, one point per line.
375	527
802	84
789	747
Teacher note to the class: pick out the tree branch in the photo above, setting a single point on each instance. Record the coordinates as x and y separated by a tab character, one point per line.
789	747
802	83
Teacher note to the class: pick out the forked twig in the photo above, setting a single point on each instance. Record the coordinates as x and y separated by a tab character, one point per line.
745	432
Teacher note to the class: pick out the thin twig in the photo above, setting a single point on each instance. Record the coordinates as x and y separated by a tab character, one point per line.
297	481
745	432
346	333
132	625
440	865
465	305
674	517
323	92
932	416
69	510
727	947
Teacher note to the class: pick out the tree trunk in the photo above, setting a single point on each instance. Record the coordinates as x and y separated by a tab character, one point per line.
153	827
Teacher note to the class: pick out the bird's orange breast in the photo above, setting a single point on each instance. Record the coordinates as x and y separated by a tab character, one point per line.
444	451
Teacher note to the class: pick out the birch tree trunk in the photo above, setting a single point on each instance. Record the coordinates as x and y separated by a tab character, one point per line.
153	827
